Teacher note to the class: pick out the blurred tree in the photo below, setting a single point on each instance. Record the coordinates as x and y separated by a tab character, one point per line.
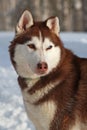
2	16
67	15
45	9
77	15
84	8
72	13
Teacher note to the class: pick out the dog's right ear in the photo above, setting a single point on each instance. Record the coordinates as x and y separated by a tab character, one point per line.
25	22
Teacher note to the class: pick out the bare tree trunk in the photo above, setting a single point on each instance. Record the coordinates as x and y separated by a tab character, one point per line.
56	10
67	15
2	16
45	9
84	8
34	6
77	15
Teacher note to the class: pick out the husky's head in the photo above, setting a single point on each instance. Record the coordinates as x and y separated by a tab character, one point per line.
36	49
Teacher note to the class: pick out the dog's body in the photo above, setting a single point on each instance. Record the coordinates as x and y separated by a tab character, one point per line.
52	79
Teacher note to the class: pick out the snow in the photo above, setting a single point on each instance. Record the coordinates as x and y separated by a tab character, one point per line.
77	42
12	112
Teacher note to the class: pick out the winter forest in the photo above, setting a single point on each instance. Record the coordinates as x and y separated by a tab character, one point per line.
72	13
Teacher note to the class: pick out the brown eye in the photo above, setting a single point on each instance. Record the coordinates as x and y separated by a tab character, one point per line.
50	47
32	46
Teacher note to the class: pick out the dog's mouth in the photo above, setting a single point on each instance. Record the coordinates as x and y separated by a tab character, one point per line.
41	72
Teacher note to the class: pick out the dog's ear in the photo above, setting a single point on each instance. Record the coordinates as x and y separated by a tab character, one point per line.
53	24
25	22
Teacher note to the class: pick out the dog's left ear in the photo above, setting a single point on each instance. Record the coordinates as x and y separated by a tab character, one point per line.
25	22
53	24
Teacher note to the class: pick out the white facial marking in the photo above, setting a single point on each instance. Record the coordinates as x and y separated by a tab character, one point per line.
20	57
27	58
52	56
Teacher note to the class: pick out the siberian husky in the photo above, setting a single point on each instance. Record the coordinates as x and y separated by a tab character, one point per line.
53	80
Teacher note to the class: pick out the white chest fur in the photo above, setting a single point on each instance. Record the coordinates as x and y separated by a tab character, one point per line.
79	125
41	115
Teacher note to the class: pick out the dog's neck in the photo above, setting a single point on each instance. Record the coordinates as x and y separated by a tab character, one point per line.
27	82
31	82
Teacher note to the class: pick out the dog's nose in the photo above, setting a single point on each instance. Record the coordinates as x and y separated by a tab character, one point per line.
42	67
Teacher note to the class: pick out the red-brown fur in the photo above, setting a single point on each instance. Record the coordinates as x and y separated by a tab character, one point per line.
71	94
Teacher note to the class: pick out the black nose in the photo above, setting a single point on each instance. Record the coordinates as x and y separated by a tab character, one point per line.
42	66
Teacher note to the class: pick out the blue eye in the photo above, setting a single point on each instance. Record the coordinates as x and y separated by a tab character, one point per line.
50	47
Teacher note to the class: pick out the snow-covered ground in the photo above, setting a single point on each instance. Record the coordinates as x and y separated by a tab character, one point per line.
12	112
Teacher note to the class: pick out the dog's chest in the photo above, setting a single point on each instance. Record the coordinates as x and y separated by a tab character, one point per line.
42	114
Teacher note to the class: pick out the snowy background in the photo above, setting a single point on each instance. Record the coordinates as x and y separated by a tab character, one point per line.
12	112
